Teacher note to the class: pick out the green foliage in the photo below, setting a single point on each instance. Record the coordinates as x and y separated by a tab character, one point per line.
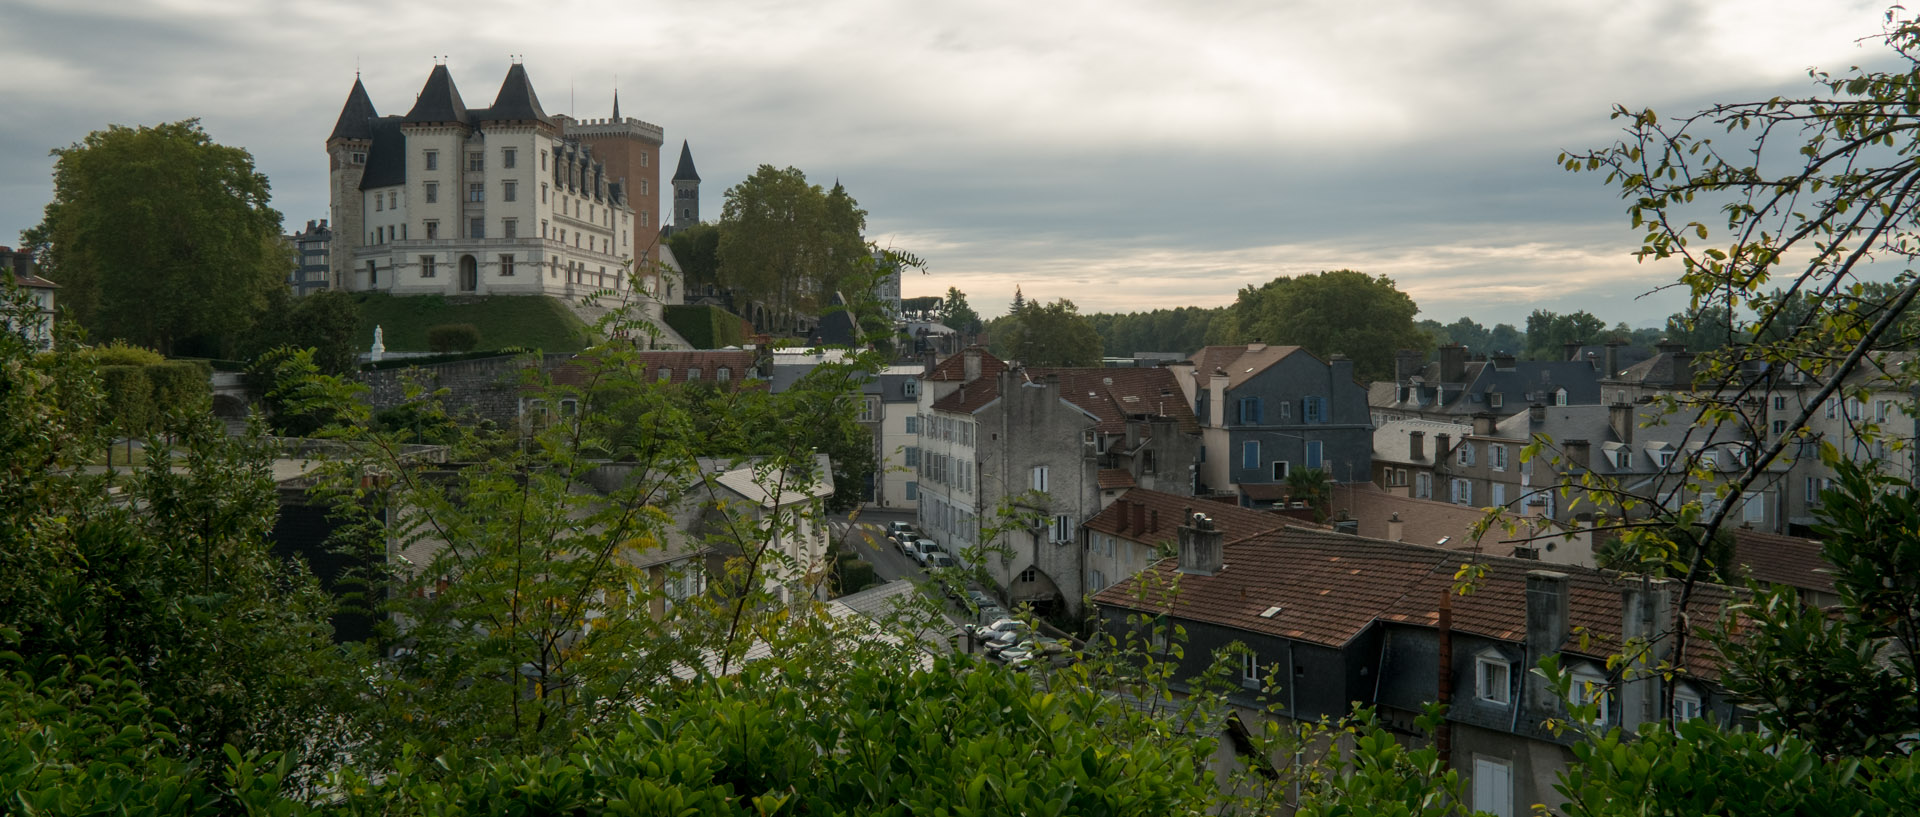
955	314
504	321
1697	768
1548	333
785	244
1367	318
854	573
1054	334
325	321
697	249
1385	777
1845	683
142	398
118	353
706	327
1504	337
1181	329
1312	486
453	337
158	234
1670	551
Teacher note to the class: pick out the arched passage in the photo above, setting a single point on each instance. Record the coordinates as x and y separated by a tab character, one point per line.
469	274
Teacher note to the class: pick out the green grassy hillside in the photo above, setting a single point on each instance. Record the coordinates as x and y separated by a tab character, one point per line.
532	321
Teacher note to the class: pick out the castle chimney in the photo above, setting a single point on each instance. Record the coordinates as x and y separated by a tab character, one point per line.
1200	546
1547	623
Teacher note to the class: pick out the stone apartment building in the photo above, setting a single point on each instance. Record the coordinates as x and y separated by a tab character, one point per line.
312	264
1012	462
1332	620
501	200
1265	410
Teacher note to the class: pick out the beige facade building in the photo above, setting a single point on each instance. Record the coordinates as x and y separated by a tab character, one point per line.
502	200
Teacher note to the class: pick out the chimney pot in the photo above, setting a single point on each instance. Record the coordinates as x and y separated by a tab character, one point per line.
1200	547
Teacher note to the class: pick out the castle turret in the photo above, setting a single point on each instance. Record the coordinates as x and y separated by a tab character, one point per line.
347	150
686	191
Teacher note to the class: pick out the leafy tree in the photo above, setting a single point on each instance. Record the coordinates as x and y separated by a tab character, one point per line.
325	321
1364	317
697	248
1053	334
159	235
1312	486
955	314
785	244
1548	333
1708	329
1182	329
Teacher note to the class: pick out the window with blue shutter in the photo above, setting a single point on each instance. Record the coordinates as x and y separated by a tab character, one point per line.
1250	454
1313	410
1250	410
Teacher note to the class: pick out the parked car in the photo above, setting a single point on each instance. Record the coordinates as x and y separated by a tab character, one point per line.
976	600
922	549
939	558
988	614
902	535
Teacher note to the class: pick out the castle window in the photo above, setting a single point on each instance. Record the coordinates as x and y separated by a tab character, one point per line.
373	273
433	192
545	230
509	228
543	160
643	159
426	266
477	228
379	202
543	191
506	266
359	158
509	191
433	230
643	187
476	161
507	156
433	160
476	192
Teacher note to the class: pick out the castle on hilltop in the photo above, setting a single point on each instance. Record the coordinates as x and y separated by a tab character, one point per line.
502	200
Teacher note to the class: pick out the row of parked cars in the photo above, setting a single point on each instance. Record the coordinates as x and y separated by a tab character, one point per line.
992	629
926	552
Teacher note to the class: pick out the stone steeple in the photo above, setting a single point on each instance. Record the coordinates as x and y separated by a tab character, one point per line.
686	191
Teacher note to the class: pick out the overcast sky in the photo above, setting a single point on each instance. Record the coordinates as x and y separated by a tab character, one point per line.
1125	155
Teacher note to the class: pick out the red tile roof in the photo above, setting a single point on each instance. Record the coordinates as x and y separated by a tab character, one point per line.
1113	395
1234	522
1776	559
1330	587
955	368
1115	478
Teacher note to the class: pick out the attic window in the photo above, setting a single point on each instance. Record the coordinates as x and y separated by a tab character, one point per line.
1270	612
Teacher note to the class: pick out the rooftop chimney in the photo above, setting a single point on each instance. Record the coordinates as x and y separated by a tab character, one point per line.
1441	447
1537	413
1620	416
1572	350
1579	453
1483	423
1153	520
1139	510
970	365
1407	363
1547	628
1613	358
1453	363
1396	529
1416	445
1646	611
1200	546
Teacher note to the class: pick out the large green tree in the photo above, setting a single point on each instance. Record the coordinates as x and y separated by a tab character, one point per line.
1548	333
1365	317
697	249
1054	334
957	315
161	236
785	244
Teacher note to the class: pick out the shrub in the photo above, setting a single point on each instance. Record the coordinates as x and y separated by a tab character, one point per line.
453	337
129	399
121	353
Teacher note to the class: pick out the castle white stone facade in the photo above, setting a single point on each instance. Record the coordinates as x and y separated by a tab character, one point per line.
504	200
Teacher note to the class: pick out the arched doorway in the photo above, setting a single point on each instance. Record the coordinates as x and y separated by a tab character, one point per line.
469	274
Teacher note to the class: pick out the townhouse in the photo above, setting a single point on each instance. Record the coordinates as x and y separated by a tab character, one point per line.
1266	410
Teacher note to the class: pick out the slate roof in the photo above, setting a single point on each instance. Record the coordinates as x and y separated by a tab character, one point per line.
1671	432
439	101
356	117
517	101
1776	559
1235	523
387	158
1239	362
1660	370
1392	441
1330	587
685	172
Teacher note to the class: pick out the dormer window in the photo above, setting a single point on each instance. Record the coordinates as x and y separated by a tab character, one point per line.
1590	689
1493	678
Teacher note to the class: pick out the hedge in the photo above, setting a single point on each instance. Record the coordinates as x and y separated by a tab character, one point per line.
706	327
138	398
